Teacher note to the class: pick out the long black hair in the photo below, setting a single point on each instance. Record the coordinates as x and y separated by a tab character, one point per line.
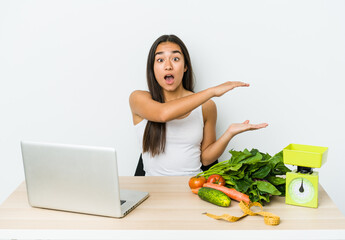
155	132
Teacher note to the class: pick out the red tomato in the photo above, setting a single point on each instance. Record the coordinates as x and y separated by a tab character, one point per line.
216	179
196	182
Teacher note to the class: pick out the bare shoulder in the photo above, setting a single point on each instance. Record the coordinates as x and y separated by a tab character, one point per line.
139	93
209	110
210	105
139	96
136	99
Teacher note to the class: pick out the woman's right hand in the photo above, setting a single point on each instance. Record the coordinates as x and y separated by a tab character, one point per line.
227	86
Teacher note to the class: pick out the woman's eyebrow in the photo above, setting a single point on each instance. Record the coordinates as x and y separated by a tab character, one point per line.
175	51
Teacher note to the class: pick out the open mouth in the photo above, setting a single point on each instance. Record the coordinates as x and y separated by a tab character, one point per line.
169	79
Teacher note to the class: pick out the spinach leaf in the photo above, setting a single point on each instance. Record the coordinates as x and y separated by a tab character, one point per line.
276	180
254	167
242	185
238	174
280	169
265	156
254	151
253	159
254	198
281	188
267	187
238	156
262	172
235	167
265	197
278	158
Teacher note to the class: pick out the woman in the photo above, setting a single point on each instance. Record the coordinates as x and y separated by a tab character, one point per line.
177	127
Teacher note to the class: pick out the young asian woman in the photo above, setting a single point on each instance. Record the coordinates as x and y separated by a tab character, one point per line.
176	127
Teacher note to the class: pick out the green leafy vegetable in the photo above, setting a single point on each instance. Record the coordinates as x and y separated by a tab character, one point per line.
262	172
276	180
253	173
267	187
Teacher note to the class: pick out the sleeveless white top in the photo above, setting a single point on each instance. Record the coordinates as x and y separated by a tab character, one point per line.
182	152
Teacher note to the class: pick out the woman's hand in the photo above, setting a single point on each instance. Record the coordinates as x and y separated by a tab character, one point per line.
227	86
237	128
214	150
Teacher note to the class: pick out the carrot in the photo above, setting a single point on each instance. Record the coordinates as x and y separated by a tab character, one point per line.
230	192
195	190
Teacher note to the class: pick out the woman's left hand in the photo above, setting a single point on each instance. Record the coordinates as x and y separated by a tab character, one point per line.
237	128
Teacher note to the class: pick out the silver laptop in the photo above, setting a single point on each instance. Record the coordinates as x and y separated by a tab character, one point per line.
75	178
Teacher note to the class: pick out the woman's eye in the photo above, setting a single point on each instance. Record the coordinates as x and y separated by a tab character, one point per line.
159	60
176	59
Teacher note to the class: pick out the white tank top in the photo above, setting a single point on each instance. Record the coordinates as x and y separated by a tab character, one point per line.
182	150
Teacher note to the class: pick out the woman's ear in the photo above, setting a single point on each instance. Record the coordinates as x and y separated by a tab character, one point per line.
185	68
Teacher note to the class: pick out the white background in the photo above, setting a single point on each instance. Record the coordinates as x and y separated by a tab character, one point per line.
67	69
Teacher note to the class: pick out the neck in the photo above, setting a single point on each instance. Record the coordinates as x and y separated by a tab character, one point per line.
178	93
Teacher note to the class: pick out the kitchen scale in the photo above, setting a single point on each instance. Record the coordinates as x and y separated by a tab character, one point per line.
302	184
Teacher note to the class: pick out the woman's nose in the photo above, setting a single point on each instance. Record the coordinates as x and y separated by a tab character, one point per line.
168	65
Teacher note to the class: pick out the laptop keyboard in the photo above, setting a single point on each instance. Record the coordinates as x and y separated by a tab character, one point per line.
122	201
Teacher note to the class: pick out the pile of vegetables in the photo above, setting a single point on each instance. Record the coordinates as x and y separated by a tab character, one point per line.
255	174
213	190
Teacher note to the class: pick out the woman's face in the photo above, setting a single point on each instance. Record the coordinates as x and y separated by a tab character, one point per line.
169	66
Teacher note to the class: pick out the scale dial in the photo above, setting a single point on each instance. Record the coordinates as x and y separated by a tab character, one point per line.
301	190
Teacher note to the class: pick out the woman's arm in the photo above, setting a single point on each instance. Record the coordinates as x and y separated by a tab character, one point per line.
212	149
143	106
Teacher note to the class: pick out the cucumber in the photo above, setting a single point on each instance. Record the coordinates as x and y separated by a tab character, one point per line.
214	196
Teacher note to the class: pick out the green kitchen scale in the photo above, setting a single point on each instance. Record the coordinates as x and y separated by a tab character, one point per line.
302	184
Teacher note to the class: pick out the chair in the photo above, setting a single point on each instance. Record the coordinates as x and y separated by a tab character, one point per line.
140	167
